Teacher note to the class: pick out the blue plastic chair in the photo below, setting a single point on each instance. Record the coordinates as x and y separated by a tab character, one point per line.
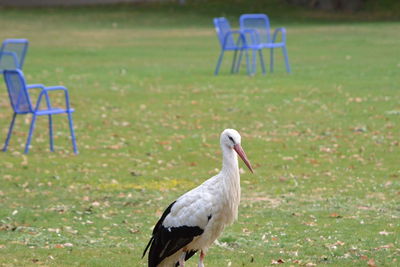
235	40
12	54
260	23
18	92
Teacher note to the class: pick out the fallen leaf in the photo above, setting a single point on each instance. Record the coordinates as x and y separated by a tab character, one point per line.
364	208
385	246
133	231
310	223
363	257
371	263
95	204
355	99
165	142
384	233
279	261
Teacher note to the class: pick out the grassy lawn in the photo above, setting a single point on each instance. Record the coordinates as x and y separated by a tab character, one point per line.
324	140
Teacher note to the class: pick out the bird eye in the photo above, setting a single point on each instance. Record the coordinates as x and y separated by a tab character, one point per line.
230	138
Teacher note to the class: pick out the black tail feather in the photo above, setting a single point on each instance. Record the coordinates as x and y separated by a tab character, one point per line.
147	247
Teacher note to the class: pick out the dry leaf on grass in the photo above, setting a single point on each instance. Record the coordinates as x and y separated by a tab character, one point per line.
279	261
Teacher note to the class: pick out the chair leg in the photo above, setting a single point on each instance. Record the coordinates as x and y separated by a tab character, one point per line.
31	128
285	54
271	61
219	62
234	62
71	128
262	61
9	132
51	133
247	62
254	63
239	61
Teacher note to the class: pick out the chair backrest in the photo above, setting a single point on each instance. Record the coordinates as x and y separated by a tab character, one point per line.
12	54
258	22
222	28
17	91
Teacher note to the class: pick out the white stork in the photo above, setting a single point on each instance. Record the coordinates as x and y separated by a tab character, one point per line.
196	219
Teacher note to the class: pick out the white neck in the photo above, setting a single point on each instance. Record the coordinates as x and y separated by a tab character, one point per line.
231	180
229	161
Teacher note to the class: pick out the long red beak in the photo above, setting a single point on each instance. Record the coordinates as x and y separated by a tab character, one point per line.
238	148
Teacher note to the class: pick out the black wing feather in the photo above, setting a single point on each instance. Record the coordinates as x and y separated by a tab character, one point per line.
166	241
158	224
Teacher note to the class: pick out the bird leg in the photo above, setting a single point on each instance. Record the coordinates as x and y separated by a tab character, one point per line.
182	259
202	255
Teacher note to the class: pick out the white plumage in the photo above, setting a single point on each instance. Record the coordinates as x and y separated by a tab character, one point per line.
197	218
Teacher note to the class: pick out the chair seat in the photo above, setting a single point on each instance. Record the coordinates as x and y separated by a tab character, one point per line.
53	111
272	45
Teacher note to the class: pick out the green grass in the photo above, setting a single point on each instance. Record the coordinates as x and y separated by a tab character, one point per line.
324	140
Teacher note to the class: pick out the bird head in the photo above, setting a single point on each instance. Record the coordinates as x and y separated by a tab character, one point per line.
231	139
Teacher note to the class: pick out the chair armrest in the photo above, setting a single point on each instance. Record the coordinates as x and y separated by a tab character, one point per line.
40	86
282	30
35	86
234	32
55	88
240	34
49	89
